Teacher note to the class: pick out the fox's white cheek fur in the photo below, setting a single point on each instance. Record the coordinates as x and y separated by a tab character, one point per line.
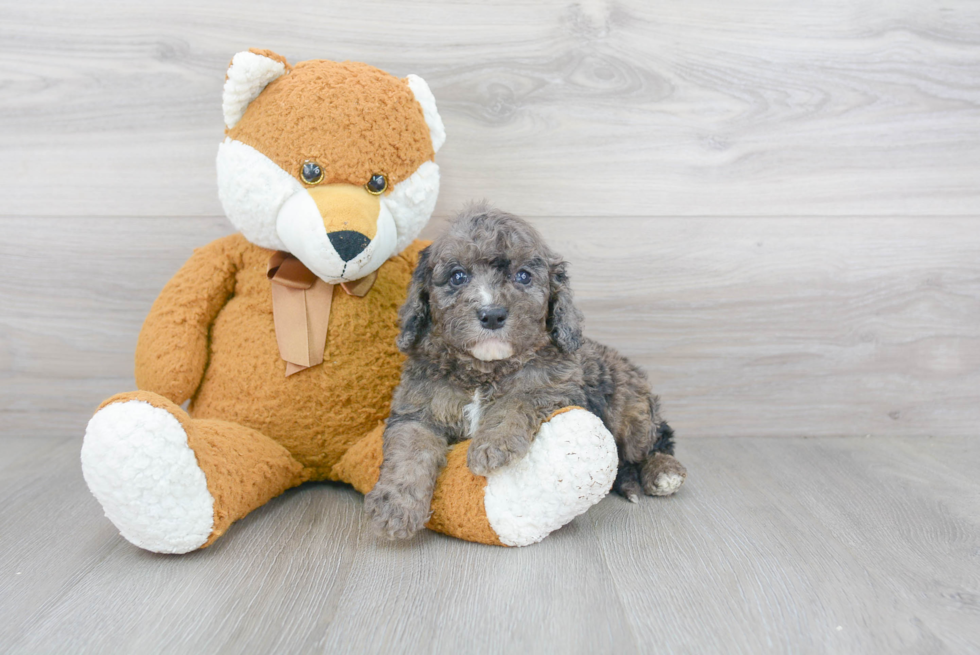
252	189
255	193
492	350
300	228
412	202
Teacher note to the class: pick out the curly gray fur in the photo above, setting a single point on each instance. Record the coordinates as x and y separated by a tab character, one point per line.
497	385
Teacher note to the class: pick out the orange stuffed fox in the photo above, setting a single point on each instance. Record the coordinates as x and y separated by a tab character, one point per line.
282	336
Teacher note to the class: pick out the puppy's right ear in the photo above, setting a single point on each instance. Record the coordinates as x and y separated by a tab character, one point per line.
414	315
564	319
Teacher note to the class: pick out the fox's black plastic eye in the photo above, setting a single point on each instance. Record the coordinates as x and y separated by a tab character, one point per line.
377	184
311	172
459	277
522	277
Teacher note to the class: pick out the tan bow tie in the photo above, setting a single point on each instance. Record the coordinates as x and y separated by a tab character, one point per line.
301	309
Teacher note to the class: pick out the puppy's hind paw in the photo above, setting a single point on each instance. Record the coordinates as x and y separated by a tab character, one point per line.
394	514
627	482
662	475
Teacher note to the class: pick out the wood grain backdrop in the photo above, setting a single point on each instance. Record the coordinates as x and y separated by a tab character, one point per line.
772	206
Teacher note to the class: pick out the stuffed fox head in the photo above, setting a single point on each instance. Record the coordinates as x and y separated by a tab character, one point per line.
332	162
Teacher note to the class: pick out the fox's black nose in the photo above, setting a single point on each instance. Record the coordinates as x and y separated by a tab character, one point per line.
492	318
348	243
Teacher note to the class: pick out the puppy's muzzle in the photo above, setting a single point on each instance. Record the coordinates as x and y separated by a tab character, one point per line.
492	318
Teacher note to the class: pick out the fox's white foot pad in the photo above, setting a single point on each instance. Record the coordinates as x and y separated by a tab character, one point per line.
137	463
570	466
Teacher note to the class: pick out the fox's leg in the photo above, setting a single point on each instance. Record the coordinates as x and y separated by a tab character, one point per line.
569	467
172	484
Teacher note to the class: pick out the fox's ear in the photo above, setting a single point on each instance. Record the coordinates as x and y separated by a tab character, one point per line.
437	131
248	73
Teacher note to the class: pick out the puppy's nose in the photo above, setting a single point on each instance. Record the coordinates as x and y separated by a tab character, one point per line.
492	318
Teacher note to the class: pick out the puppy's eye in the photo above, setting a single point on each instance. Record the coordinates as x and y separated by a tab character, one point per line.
311	172
377	184
459	277
522	277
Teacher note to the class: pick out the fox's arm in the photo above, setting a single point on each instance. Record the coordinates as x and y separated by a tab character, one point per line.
172	350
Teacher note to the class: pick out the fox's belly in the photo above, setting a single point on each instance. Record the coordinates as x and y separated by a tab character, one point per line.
318	413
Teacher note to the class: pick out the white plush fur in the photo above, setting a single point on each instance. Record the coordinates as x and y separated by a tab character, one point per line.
273	210
411	203
137	463
248	74
570	466
437	131
270	206
252	189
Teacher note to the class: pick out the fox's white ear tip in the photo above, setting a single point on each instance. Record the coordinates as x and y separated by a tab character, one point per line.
437	131
248	74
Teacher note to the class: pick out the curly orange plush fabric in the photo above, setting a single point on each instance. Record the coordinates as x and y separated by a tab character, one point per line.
316	414
173	480
457	503
256	432
210	337
368	102
244	468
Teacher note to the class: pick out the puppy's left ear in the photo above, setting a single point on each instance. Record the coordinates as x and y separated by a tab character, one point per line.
414	315
564	319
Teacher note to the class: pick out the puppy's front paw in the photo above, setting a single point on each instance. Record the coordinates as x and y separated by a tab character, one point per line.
395	514
486	455
662	475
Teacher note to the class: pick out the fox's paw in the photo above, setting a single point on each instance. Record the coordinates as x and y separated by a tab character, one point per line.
569	467
136	461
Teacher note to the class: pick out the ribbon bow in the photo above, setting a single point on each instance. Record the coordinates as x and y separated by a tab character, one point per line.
301	309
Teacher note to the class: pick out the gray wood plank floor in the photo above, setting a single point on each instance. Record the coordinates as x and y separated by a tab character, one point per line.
849	545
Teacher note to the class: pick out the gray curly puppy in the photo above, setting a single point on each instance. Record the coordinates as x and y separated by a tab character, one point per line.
495	346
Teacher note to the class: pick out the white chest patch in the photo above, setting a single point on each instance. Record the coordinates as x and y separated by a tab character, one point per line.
473	412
